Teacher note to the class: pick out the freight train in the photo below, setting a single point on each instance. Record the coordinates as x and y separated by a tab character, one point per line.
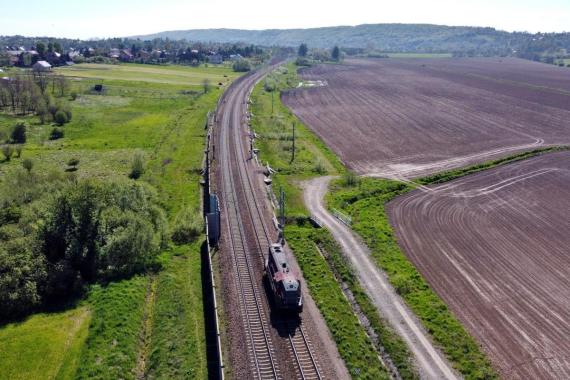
284	285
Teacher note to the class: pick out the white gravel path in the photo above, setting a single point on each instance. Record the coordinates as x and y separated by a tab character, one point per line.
430	361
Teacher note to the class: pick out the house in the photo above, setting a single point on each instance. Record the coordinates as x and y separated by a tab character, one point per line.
41	66
236	57
14	57
115	53
216	59
126	55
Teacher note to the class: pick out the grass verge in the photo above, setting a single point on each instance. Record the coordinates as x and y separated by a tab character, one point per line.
178	349
456	173
110	351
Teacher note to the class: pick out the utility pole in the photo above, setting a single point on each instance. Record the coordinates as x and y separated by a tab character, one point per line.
282	213
293	151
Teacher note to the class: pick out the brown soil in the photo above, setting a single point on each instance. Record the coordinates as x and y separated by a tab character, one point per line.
411	117
494	246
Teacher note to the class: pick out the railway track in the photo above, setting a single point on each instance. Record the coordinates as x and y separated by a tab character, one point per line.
241	207
308	368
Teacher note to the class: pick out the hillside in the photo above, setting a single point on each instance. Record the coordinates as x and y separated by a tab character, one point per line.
385	37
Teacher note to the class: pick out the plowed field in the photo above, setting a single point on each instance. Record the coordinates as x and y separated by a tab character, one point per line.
411	117
496	247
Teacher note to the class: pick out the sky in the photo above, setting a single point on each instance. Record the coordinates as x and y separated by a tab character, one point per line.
119	18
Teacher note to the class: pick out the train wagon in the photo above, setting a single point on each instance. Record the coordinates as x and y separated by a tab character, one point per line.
284	285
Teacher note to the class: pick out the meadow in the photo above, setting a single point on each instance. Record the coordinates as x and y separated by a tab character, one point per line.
123	329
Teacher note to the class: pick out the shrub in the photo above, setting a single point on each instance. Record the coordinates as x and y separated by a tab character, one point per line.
73	162
349	179
18	149
23	274
73	95
137	167
60	118
28	165
188	227
241	66
7	151
18	135
56	133
320	168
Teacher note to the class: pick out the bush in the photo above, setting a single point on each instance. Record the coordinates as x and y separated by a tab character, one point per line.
73	95
241	66
18	135
137	167
349	179
60	118
18	149
23	274
7	151
188	227
320	168
28	165
302	62
56	133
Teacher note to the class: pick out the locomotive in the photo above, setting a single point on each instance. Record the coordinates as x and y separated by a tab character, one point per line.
285	287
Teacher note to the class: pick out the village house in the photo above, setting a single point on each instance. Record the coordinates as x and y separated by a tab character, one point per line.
126	55
41	66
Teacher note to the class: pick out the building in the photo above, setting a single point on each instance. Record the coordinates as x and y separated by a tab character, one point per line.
126	55
236	57
216	59
41	66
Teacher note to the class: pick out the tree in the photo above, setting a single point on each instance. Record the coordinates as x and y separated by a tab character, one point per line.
61	84
206	85
18	135
303	50
41	49
42	111
28	165
335	54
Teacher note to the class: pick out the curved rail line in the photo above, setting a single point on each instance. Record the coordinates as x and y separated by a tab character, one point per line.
237	180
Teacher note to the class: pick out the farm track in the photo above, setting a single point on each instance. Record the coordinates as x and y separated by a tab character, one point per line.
494	246
408	118
249	239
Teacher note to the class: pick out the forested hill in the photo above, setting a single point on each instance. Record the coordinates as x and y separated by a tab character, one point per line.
385	37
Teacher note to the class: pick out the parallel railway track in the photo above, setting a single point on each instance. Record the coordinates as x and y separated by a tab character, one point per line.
241	206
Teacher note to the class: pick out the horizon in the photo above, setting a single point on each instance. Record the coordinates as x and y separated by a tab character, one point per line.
143	17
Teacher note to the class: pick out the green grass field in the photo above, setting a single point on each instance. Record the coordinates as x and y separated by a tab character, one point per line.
170	74
158	111
45	346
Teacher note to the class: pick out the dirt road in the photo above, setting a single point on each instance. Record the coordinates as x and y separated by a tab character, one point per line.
431	363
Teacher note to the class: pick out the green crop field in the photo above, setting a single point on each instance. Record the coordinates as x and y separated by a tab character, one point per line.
179	75
126	329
